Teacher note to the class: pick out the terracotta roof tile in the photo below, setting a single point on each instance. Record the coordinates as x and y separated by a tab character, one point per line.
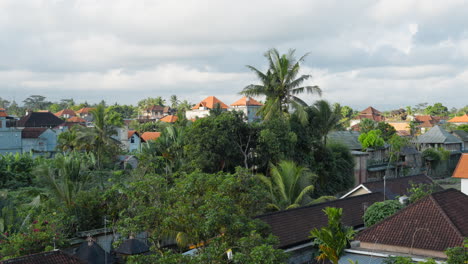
459	119
76	119
150	136
245	101
155	108
437	221
68	112
210	102
169	119
293	226
51	257
3	112
131	133
84	110
461	171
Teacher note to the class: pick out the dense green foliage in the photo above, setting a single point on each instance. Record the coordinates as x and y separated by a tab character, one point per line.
372	139
15	170
381	210
333	238
458	255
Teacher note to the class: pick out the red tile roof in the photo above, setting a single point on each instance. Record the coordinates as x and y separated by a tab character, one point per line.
459	119
131	132
436	222
65	112
169	119
210	102
84	110
461	171
371	113
51	257
293	226
245	101
150	136
3	112
155	108
76	119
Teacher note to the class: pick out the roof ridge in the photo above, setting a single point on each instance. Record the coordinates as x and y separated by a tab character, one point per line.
317	204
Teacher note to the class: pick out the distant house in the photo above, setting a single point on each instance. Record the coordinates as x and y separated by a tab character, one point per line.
55	257
202	109
10	136
85	113
77	120
169	119
425	228
153	112
293	226
39	119
248	106
426	122
91	252
65	113
437	137
393	187
463	136
147	136
461	172
369	113
402	128
459	120
39	140
132	246
134	141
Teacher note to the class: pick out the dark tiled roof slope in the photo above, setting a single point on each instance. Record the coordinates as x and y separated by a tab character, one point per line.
436	223
32	132
39	119
399	186
132	246
51	257
293	226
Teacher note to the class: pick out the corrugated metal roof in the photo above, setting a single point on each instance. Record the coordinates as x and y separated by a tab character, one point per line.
437	135
461	134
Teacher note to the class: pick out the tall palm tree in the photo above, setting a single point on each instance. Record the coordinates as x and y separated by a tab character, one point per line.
98	138
289	185
326	118
174	101
281	85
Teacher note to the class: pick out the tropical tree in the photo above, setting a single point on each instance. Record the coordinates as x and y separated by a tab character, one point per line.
371	139
280	85
98	139
289	185
326	118
333	238
174	101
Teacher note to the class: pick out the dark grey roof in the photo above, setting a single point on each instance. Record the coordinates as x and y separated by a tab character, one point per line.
92	253
409	150
39	119
437	135
132	246
461	134
348	138
51	257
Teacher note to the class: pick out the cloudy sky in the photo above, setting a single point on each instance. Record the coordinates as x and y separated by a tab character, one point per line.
362	52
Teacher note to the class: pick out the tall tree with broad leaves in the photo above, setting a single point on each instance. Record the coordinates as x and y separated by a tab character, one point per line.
281	85
326	117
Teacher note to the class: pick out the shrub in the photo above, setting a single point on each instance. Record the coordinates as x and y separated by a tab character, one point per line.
381	210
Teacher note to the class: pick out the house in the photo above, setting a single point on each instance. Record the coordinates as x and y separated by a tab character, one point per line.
293	226
10	136
394	187
459	120
463	136
369	113
202	109
426	122
134	141
153	112
402	128
169	119
55	257
147	136
39	119
461	172
425	228
39	140
437	137
65	113
85	113
248	106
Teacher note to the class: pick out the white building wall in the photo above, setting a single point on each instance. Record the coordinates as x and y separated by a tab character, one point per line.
464	186
200	113
134	143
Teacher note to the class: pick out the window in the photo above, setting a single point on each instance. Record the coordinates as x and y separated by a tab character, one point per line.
132	139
